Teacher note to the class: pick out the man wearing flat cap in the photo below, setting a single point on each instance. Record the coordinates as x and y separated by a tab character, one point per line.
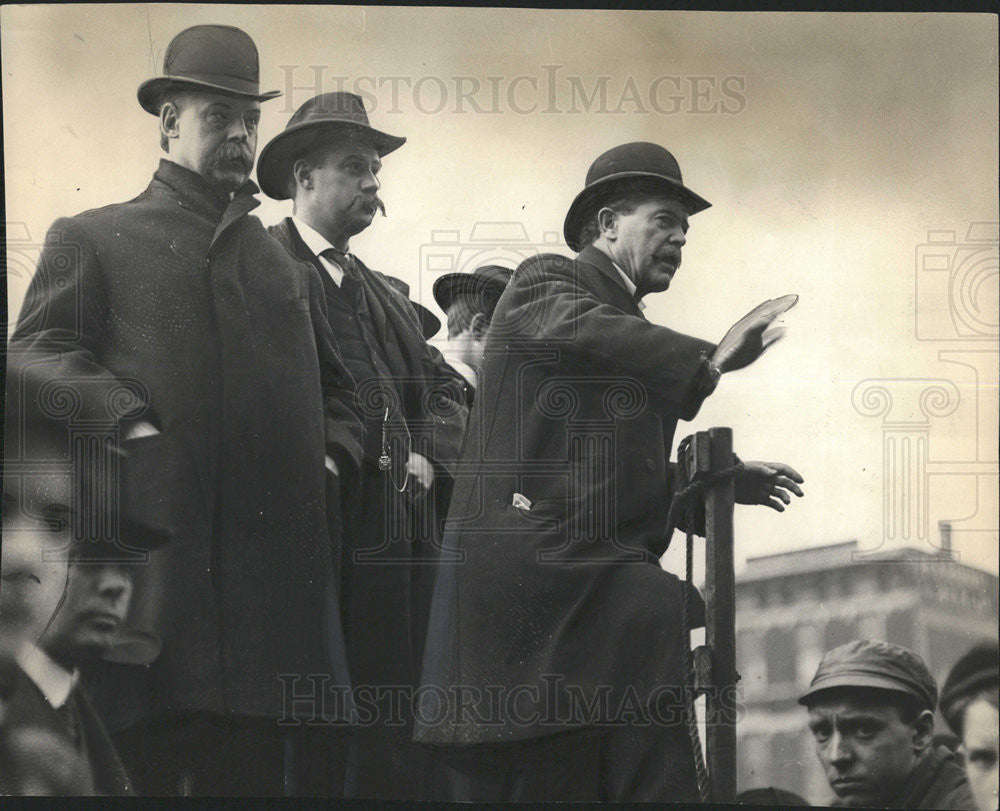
969	702
327	161
237	415
468	300
553	662
871	711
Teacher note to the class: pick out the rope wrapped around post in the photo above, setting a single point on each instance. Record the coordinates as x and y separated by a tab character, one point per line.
685	499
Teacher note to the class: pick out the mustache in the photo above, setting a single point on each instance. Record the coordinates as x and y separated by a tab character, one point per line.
672	256
374	200
230	151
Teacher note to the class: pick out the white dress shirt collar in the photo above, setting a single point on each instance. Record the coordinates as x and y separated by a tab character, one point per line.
317	243
629	284
55	682
471	375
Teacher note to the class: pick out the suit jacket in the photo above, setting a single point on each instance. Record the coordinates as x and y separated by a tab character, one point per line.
559	513
176	307
938	781
28	707
430	392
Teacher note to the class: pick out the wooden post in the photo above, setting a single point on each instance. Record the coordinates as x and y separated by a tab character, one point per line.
712	452
720	622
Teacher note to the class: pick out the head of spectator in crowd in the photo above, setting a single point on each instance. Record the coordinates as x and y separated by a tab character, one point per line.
327	160
98	594
635	207
208	103
468	300
37	513
969	702
871	712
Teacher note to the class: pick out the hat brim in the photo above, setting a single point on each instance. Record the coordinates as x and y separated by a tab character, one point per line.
150	91
855	681
452	284
276	159
583	206
430	324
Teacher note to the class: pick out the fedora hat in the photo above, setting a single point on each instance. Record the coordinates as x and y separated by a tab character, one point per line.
218	58
629	162
430	324
485	283
319	120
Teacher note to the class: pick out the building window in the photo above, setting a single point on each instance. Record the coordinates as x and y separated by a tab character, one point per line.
754	767
781	651
786	761
839	632
899	628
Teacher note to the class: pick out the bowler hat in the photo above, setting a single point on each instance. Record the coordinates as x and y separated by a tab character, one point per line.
218	58
319	120
629	162
868	663
430	324
484	285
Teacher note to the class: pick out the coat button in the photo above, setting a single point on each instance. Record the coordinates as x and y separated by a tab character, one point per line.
651	465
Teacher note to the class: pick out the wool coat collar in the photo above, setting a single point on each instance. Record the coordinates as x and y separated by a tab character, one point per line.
195	194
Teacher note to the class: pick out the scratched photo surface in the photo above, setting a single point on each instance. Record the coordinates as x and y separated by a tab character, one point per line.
850	159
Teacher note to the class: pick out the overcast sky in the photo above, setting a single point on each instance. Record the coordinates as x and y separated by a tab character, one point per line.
833	147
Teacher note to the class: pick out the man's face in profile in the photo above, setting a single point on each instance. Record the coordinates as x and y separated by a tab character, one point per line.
648	242
864	746
345	186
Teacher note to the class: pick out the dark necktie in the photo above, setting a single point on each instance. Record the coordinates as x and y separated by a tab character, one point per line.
67	712
350	284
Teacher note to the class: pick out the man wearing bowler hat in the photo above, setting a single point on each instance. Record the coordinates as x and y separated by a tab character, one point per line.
175	316
327	161
552	667
468	300
871	712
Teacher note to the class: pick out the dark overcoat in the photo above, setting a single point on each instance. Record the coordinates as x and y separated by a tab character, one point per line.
390	542
28	708
178	308
430	393
559	515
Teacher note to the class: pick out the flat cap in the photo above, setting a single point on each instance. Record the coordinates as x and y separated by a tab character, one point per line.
977	670
869	663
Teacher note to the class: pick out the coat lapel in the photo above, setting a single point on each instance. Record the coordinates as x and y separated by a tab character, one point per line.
243	203
607	283
289	234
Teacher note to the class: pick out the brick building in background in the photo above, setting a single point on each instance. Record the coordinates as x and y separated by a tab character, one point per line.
793	607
